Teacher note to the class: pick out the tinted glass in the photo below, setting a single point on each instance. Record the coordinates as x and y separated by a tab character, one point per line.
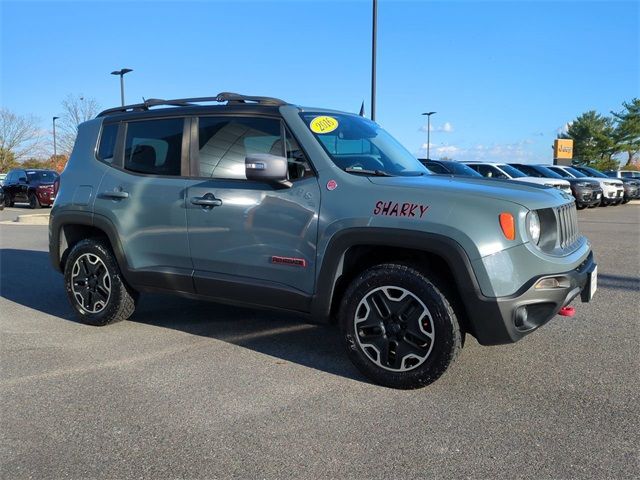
462	169
576	173
107	143
436	167
529	170
560	172
225	142
355	143
591	172
513	172
489	171
154	146
41	177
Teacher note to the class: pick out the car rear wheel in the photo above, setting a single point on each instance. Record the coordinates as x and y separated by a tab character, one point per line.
94	285
33	201
398	327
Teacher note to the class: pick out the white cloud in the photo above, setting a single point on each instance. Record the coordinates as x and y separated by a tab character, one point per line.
498	152
564	128
446	127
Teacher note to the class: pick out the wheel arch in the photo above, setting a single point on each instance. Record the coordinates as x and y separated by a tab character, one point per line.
351	251
68	228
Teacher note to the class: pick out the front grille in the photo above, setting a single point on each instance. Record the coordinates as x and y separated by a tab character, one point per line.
567	217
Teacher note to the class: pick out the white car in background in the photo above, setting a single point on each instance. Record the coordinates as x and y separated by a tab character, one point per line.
502	170
612	189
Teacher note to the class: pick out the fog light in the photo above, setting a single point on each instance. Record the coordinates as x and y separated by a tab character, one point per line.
552	282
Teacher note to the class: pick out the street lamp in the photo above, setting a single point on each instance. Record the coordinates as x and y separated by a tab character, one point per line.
428	114
55	151
121	73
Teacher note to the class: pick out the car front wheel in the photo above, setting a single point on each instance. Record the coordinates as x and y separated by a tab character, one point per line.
399	328
94	284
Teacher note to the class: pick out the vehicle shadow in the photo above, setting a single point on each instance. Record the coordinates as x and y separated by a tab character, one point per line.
27	278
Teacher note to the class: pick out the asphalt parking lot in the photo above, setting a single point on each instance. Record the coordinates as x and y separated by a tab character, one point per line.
189	389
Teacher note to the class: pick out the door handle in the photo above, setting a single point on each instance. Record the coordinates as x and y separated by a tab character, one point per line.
208	200
115	195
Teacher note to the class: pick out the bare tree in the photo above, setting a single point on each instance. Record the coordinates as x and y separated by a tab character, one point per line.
20	136
76	109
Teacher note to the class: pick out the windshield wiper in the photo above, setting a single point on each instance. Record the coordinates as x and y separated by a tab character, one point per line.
363	171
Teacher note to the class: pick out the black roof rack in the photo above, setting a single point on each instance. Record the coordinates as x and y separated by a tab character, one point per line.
229	97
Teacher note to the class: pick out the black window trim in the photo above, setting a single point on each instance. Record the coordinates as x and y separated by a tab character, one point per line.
118	153
194	156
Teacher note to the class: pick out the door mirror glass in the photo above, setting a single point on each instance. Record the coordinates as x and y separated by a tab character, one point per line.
264	167
22	180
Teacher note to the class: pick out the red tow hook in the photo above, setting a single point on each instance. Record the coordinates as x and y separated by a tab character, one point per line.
567	311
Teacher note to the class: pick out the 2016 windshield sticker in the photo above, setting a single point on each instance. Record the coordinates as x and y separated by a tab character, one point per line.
323	124
395	209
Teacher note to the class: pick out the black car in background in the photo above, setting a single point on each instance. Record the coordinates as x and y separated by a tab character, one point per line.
1	199
631	185
32	186
587	193
449	167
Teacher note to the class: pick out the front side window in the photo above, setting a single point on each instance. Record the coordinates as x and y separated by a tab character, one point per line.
225	142
154	146
436	168
107	143
358	145
511	171
489	171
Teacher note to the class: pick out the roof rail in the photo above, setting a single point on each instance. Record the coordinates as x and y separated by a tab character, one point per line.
229	97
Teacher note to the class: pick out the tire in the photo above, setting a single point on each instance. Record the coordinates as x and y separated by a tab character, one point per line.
9	201
94	285
33	201
580	206
406	339
2	204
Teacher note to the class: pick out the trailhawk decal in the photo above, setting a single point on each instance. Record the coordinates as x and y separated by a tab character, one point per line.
395	209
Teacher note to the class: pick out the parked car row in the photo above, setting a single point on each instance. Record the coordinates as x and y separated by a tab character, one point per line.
33	186
589	187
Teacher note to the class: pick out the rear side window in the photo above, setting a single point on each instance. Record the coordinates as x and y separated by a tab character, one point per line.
154	146
107	143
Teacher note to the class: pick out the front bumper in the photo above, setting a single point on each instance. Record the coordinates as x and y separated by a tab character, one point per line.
587	196
500	320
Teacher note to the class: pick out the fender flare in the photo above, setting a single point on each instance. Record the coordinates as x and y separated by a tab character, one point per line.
446	248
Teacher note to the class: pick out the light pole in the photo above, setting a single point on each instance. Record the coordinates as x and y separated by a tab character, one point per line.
55	150
121	73
374	31
428	114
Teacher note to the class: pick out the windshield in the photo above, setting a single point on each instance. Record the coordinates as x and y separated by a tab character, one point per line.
513	172
575	173
592	172
462	169
41	177
358	145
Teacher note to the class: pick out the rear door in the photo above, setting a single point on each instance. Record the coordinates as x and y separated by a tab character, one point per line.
143	196
258	234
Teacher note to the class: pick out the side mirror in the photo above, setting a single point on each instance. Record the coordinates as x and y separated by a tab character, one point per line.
263	167
22	180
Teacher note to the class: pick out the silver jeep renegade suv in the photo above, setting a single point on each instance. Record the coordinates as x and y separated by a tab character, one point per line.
250	200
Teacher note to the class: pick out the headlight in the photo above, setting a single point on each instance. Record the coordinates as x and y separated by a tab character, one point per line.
533	226
582	184
549	185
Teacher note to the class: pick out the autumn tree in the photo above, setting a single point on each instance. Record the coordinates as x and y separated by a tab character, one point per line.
76	109
627	129
20	138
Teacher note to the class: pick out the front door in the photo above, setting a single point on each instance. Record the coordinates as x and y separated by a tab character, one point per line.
251	234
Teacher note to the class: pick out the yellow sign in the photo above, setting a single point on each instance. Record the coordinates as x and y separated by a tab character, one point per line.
563	148
323	124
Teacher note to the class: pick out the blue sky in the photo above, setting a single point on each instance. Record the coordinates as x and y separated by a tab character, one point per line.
503	76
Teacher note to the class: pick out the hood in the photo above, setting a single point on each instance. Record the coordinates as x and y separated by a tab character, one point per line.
528	195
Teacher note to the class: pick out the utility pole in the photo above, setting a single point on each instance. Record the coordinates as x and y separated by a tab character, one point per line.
374	34
428	114
55	150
